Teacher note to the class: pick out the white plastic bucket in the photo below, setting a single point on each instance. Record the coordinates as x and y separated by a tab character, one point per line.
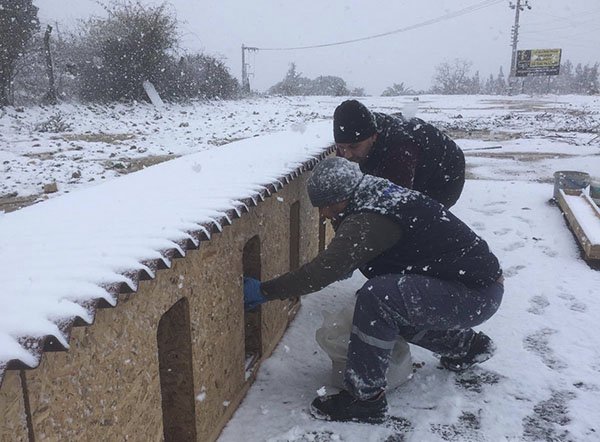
333	337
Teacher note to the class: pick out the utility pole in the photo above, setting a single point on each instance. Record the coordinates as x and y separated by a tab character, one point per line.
245	78
519	6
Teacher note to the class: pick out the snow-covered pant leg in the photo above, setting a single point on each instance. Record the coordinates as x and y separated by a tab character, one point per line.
438	315
429	312
374	334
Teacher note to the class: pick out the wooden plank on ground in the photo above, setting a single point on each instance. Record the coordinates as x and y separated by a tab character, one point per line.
583	217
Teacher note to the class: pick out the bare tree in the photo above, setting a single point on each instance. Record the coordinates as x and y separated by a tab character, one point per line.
452	77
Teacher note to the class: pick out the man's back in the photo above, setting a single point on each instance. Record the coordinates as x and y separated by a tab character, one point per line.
432	242
416	155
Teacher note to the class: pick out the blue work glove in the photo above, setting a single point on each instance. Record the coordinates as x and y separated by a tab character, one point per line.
253	296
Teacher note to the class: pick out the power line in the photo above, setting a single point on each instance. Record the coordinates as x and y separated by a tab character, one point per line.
589	31
578	45
570	17
561	27
460	12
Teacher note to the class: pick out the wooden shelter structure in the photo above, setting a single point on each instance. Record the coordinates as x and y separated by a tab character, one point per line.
175	356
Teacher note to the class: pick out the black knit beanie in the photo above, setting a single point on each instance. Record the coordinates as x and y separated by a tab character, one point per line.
352	122
333	180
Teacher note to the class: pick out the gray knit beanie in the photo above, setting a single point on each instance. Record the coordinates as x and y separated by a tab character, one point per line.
333	180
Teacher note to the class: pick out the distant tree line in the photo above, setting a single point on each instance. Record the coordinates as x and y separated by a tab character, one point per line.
104	59
455	77
295	84
578	79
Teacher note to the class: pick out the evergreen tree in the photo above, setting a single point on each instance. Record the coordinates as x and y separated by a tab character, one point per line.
475	86
293	83
500	86
18	22
488	87
593	85
564	82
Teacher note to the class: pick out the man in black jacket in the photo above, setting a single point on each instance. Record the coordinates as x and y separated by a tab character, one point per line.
409	152
431	279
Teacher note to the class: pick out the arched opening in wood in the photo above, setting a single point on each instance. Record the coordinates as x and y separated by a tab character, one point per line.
176	376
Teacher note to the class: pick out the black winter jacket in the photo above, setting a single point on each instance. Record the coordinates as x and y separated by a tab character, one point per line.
414	154
390	229
434	242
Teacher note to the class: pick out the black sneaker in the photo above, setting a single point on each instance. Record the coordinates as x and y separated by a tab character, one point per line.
482	348
344	407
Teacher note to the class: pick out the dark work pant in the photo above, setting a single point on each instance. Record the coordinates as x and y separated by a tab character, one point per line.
428	312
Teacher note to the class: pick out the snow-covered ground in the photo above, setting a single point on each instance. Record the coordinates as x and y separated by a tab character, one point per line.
544	382
76	145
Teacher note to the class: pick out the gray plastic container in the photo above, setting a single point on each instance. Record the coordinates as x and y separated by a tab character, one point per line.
570	179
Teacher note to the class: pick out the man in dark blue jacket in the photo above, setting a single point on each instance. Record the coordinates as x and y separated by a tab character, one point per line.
431	279
409	152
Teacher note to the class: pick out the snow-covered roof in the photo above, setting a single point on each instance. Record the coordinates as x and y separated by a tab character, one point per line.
63	258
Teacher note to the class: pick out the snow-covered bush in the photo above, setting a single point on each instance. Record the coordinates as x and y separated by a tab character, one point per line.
295	84
54	124
119	52
396	90
115	55
199	76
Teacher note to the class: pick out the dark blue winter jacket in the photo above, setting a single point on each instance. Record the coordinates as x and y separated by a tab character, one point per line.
434	242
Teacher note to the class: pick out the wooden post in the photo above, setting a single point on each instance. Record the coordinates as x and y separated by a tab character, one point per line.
51	96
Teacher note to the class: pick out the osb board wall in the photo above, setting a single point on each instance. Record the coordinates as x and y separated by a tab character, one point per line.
275	247
12	409
108	385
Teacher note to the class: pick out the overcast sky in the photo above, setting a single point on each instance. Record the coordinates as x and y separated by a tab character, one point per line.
220	27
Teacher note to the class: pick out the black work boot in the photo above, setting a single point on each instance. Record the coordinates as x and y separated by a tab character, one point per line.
344	407
481	349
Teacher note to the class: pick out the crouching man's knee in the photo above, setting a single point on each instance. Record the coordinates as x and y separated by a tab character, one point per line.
380	288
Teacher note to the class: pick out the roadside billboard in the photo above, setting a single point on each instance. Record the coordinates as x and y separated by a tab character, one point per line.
538	62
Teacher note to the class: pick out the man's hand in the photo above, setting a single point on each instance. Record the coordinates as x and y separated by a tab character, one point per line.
253	296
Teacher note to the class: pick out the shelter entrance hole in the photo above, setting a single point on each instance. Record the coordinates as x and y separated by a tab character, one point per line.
252	320
176	376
